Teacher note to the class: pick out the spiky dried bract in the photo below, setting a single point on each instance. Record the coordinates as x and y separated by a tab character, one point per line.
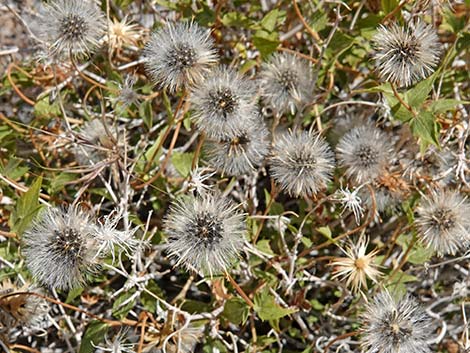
443	221
365	152
224	104
357	266
391	326
122	33
20	309
205	233
242	153
286	83
179	55
71	26
126	96
406	55
302	163
60	247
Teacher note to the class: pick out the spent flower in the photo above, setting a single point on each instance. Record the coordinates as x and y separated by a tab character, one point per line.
395	326
302	163
443	221
365	152
242	153
179	55
224	104
205	232
406	55
71	27
286	83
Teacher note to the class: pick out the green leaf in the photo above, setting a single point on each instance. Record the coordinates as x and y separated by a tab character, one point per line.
26	208
425	127
318	21
236	311
13	170
235	19
325	231
94	335
416	96
120	310
443	105
389	5
182	162
263	246
267	308
146	113
43	109
59	181
269	21
266	42
73	294
149	302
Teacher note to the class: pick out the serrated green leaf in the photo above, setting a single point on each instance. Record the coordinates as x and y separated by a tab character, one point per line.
26	208
236	311
267	308
182	162
263	246
43	109
94	335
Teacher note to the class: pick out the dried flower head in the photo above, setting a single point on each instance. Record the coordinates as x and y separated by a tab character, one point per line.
351	201
405	55
99	142
286	82
118	344
60	247
127	94
224	104
21	309
392	326
205	233
71	26
302	163
357	266
365	152
242	153
443	221
122	33
179	55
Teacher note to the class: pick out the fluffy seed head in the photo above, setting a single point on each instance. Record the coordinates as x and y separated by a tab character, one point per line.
205	233
357	266
286	83
302	163
179	55
224	104
242	153
364	151
392	326
60	247
127	95
71	26
405	55
443	221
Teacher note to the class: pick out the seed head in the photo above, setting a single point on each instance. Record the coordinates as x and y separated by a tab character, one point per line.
71	26
357	266
443	221
122	33
224	104
60	247
127	95
286	83
302	163
179	55
205	233
364	151
242	153
392	326
405	55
